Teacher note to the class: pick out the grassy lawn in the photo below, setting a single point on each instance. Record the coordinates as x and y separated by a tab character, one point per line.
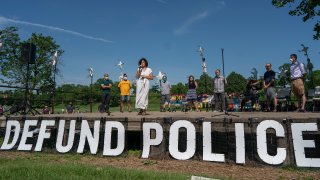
154	105
69	166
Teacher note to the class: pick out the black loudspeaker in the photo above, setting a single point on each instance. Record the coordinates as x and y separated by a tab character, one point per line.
28	53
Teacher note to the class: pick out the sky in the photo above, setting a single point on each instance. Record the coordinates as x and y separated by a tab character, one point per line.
168	33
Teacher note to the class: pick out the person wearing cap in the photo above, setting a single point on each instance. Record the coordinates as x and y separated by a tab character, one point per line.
165	88
125	86
106	85
297	72
143	75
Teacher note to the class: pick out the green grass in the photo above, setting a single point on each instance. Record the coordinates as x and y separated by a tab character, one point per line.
46	166
154	105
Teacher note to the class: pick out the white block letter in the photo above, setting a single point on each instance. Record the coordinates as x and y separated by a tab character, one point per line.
107	151
299	144
262	142
93	140
147	141
174	138
60	148
240	144
207	145
10	124
26	134
43	134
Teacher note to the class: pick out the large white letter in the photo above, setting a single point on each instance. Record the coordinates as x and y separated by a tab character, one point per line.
85	133
299	144
207	145
262	142
60	148
240	144
147	141
43	134
26	134
174	138
107	151
10	124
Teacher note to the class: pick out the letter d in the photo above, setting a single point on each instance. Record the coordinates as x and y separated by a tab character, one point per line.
6	145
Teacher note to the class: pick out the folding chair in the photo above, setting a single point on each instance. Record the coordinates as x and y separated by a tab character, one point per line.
316	98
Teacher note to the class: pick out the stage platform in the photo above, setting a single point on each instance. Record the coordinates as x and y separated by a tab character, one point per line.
134	120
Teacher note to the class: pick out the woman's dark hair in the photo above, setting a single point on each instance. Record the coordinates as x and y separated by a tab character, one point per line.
189	79
143	59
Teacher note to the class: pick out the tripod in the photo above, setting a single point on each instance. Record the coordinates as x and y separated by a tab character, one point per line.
226	113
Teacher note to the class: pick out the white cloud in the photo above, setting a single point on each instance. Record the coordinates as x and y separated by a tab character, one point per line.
184	28
4	20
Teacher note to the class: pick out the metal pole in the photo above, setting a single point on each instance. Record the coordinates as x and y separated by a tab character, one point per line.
223	63
27	90
91	94
54	87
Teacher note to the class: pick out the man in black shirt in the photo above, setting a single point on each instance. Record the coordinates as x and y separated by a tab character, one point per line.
105	85
268	86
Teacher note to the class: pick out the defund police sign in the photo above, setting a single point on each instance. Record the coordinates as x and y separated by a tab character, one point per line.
153	135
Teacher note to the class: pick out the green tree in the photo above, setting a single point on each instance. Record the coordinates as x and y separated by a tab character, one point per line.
179	88
205	84
284	76
14	70
306	8
236	83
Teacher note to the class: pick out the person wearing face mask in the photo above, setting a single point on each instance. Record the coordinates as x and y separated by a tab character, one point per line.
105	86
165	88
269	79
125	86
297	72
219	83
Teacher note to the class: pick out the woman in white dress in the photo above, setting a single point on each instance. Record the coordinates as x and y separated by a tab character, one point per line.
143	75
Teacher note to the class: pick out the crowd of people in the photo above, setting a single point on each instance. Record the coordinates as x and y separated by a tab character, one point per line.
144	75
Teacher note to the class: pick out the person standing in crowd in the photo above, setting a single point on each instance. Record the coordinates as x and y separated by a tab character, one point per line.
297	72
46	110
143	75
165	88
125	86
192	93
105	85
219	83
70	108
269	79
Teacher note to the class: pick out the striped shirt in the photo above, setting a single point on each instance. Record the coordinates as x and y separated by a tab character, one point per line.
218	83
297	70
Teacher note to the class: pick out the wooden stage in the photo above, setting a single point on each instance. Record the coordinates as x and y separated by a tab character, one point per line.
134	120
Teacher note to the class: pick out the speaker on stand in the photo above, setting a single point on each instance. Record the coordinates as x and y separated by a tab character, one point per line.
28	56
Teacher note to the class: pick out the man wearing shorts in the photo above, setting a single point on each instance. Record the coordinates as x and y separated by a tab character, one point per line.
165	88
297	73
125	86
268	86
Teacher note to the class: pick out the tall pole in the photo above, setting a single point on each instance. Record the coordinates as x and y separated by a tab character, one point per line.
54	87
27	90
223	62
91	94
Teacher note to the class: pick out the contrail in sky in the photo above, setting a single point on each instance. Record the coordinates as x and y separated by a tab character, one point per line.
6	20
